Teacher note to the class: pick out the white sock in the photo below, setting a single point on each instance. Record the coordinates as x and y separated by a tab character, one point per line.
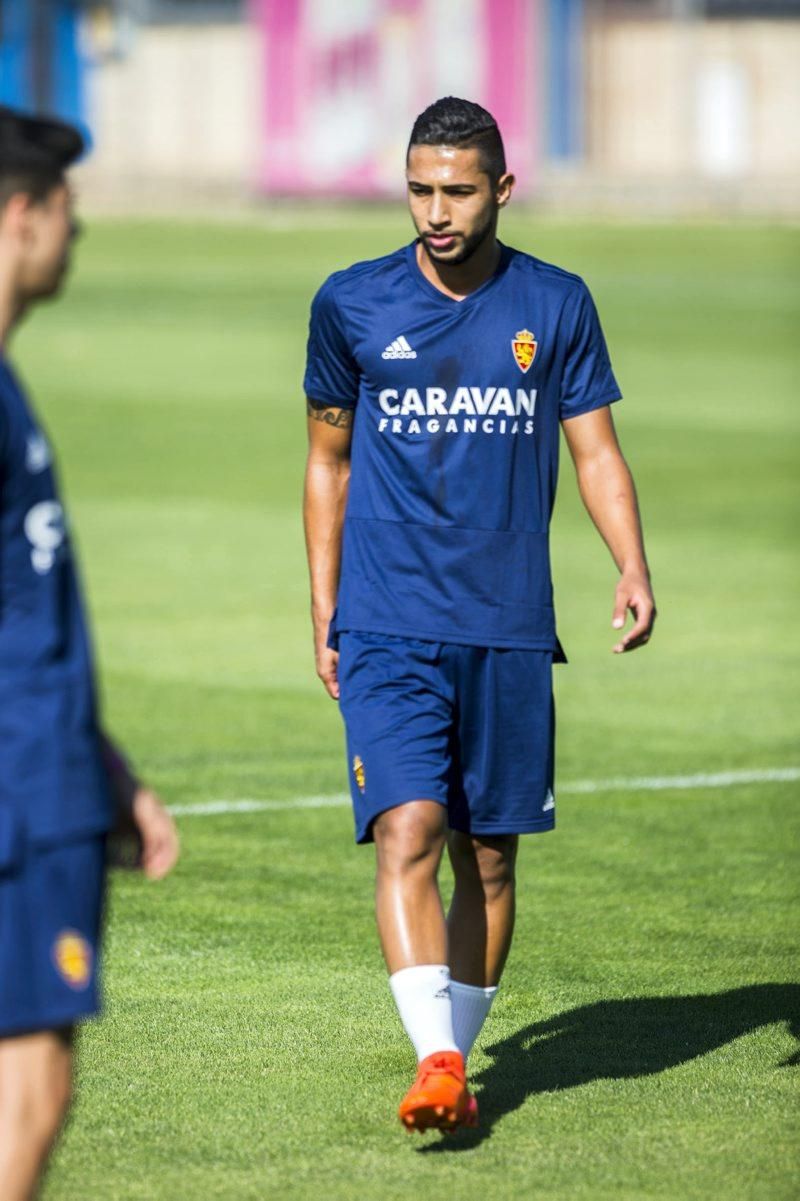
422	996
471	1006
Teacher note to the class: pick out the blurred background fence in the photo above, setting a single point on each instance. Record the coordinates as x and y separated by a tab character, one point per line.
636	105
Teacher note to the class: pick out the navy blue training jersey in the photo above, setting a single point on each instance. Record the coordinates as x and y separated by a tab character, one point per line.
52	782
455	441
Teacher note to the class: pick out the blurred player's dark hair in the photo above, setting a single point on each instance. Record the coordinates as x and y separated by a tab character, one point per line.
36	182
463	124
34	153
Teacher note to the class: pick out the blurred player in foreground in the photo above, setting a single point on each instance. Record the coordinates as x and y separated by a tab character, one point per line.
436	381
63	785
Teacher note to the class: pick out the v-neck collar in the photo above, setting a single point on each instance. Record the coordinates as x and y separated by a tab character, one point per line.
431	289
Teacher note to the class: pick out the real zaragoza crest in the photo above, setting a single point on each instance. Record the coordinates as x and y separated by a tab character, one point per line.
524	346
359	773
72	956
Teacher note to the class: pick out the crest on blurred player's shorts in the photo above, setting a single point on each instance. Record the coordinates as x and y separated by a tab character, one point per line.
524	347
359	773
72	956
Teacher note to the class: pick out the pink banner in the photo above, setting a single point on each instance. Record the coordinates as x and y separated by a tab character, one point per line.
343	83
511	93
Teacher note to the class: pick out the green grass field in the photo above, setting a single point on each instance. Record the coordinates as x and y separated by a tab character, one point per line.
645	1040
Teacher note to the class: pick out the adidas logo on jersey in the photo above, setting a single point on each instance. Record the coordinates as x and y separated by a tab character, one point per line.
399	349
37	453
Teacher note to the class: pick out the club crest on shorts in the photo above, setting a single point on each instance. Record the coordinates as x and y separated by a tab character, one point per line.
524	346
72	957
359	773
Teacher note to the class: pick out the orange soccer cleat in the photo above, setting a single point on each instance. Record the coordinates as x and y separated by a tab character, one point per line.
439	1098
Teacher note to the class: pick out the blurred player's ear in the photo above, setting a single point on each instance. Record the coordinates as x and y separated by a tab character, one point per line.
14	213
505	186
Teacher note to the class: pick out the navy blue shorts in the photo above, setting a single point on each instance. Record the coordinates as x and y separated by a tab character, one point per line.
470	727
51	903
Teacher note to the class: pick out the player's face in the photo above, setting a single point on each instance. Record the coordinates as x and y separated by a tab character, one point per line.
50	227
453	202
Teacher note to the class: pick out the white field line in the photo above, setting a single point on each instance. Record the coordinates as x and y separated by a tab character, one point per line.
721	779
209	808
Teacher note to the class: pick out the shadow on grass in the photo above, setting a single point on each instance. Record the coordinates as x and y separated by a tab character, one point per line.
617	1040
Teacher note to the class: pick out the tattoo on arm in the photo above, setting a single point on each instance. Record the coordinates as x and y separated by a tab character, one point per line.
341	419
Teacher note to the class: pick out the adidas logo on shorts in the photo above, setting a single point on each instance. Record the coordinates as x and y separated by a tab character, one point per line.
399	349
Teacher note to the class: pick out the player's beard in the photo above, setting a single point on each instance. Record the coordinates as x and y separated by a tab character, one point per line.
469	244
51	283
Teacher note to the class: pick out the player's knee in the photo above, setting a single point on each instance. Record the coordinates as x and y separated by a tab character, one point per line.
33	1107
31	1121
408	837
496	864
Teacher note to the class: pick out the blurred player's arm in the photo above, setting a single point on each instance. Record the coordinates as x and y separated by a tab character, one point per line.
140	815
325	497
608	491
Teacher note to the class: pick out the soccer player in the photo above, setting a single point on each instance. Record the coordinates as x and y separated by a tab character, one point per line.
437	379
63	784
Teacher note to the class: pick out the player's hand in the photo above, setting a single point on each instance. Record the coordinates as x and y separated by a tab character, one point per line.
634	593
328	670
160	847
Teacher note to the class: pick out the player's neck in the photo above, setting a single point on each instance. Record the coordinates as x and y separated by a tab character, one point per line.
460	279
11	309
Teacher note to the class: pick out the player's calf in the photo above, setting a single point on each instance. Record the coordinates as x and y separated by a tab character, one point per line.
35	1094
409	841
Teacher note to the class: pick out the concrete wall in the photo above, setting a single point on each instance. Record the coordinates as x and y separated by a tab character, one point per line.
181	108
715	100
677	115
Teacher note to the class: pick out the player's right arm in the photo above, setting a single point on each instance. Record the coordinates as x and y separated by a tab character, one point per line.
331	385
324	501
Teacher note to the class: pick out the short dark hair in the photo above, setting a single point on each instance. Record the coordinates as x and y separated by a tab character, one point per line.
463	124
34	153
35	182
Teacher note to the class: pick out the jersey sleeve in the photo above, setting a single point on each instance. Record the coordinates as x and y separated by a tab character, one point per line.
587	381
332	374
3	443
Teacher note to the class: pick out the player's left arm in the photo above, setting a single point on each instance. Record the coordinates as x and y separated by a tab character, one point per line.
608	491
141	812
